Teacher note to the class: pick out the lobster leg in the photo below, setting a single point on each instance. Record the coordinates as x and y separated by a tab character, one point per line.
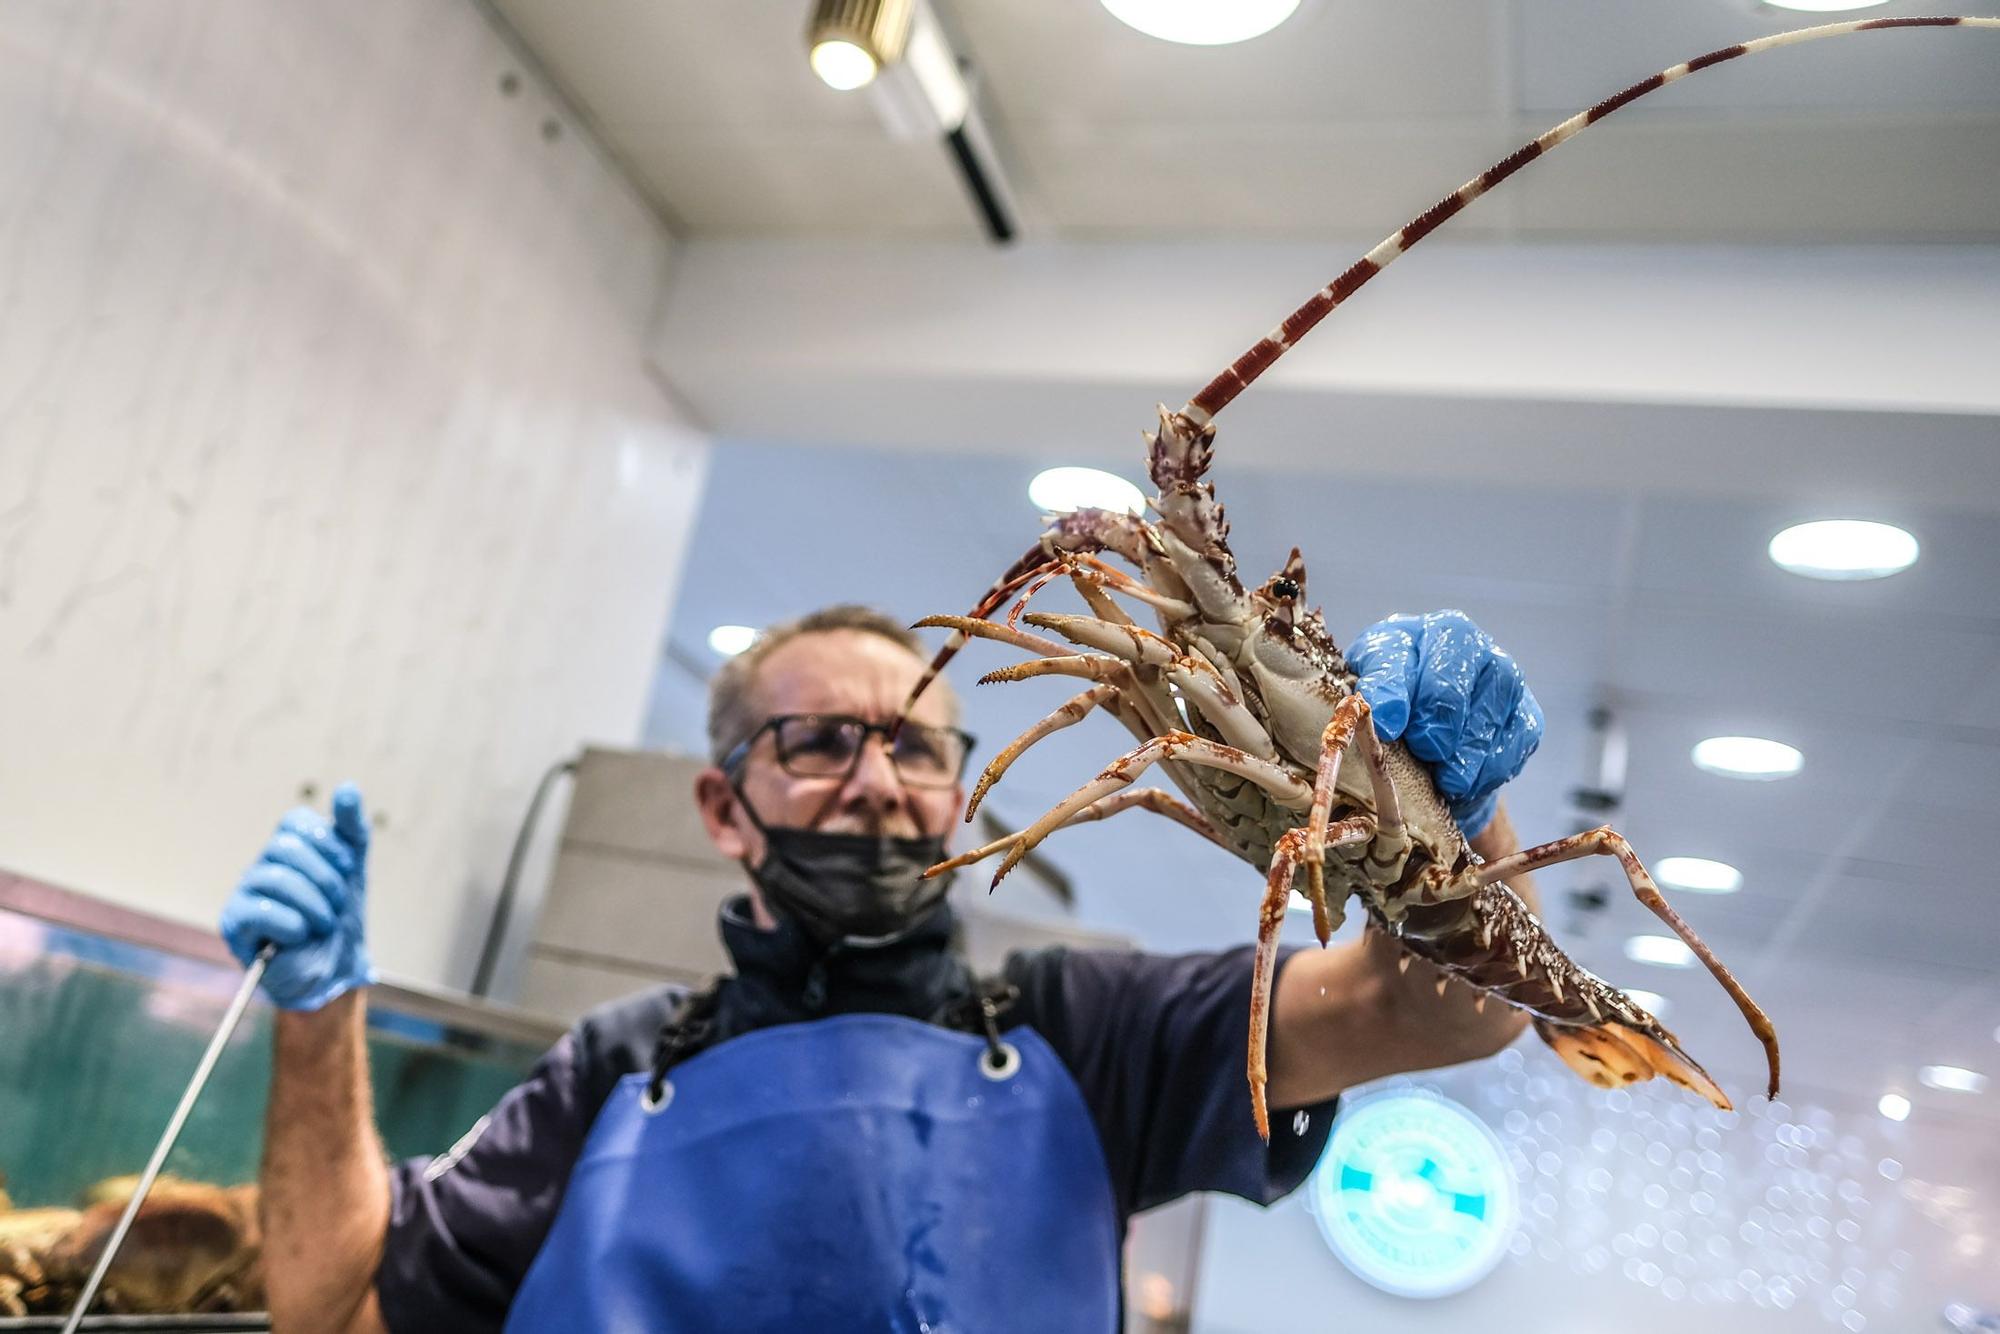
1606	842
1157	800
1195	676
1092	577
974	628
1392	845
1182	746
1285	857
1081	532
1160	706
1064	716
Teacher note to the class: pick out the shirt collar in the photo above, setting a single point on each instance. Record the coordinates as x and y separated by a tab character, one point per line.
783	976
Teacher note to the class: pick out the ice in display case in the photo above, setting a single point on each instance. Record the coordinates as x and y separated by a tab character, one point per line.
104	1014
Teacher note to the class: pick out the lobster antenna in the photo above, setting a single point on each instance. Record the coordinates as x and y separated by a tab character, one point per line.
1225	387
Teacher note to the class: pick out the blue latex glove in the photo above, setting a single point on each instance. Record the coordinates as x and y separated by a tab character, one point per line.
1456	699
305	895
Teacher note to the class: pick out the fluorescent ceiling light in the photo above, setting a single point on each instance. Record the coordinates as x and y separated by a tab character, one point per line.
842	65
1652	1002
730	640
1894	1106
1844	549
1060	490
1954	1077
1747	757
1824	6
1202	22
1660	951
1698	875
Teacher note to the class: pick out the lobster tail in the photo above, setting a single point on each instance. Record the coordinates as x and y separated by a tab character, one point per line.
1492	942
1614	1054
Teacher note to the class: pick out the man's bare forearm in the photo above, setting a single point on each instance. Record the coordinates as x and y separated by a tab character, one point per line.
325	1186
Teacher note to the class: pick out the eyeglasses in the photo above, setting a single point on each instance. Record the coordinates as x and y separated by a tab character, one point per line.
828	745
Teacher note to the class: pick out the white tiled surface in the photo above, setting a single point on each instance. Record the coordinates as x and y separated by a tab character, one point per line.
325	447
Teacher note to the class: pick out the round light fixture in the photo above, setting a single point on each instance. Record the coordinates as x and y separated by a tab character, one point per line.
849	40
1894	1106
1956	1078
1652	1002
1698	875
1824	6
1060	490
1660	951
730	640
1747	757
1844	549
1414	1194
1202	22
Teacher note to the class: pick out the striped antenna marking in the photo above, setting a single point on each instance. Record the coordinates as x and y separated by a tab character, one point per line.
1218	393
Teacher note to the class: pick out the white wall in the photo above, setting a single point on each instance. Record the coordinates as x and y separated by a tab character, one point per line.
326	449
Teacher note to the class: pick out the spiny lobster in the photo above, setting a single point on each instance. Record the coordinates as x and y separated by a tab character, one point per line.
1246	702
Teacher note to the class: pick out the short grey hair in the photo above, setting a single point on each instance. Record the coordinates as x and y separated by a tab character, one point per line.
733	709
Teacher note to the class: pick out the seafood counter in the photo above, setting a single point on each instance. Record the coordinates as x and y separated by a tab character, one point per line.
106	1013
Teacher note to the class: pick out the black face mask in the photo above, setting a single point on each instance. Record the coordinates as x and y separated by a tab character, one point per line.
863	887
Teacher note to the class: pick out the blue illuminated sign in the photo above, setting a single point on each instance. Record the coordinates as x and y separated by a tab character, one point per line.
1414	1194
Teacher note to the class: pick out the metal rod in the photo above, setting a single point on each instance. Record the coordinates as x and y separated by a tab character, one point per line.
251	977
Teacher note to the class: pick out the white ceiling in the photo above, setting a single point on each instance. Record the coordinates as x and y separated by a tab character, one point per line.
1346	120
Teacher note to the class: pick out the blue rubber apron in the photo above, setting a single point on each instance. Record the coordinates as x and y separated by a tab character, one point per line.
865	1172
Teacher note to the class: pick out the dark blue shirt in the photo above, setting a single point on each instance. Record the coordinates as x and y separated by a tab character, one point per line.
1155	1043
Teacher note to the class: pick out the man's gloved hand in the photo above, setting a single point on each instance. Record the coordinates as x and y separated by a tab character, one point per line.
1456	699
305	895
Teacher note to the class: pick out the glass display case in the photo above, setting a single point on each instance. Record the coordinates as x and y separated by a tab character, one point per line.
104	1014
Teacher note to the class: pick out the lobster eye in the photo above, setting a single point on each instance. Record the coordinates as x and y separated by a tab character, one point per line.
1284	588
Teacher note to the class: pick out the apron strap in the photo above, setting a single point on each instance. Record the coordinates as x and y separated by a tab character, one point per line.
688	1030
691	1028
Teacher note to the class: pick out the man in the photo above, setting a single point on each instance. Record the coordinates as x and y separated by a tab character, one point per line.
850	1132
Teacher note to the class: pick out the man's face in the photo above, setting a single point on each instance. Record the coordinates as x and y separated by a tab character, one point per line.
834	671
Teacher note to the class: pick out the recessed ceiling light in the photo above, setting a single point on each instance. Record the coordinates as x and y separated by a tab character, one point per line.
1747	757
730	640
1060	490
1698	875
1652	1002
842	66
1954	1077
1844	549
1202	22
1300	903
1894	1106
1661	951
1825	6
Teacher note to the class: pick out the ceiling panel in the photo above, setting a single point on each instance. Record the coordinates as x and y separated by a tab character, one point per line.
1345	121
1335	62
1574	52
